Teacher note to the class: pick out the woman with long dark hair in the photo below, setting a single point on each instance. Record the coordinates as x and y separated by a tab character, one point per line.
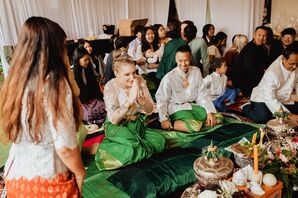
90	95
40	114
208	33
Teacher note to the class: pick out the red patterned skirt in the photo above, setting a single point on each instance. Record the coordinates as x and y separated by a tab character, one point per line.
62	186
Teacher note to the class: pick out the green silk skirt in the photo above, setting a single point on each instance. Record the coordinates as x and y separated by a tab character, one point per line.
127	143
194	119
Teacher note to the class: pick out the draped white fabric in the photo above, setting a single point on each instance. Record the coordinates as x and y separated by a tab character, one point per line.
230	16
194	10
155	10
79	18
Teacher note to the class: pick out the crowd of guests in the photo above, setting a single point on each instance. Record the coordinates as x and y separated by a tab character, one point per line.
184	78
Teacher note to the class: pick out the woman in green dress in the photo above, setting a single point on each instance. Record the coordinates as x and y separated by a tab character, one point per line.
127	101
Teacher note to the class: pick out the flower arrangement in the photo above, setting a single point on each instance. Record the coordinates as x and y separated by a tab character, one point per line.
281	114
282	161
211	152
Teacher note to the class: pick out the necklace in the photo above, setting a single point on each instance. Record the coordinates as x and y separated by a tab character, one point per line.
185	82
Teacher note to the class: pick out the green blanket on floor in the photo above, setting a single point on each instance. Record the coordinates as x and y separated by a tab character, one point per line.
163	173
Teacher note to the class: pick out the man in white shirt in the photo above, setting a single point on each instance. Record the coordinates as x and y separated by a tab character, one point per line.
134	44
276	89
182	98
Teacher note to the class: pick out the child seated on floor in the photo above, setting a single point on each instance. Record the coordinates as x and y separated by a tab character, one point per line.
216	84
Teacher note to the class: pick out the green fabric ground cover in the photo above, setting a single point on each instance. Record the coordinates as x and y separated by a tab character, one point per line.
163	173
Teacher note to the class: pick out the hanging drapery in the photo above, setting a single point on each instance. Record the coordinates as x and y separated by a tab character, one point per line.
79	18
155	10
208	13
231	16
267	12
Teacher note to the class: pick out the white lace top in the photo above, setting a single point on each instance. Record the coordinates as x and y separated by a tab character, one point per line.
30	159
116	97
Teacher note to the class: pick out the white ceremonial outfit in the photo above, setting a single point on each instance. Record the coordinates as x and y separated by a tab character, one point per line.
216	84
276	87
171	96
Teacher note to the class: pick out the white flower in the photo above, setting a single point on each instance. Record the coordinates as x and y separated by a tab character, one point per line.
283	158
270	155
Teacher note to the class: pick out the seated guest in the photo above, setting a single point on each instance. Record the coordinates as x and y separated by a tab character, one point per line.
179	95
217	45
90	95
161	33
251	63
127	101
134	44
121	45
287	37
238	42
96	61
167	62
199	50
149	42
173	28
208	33
276	89
216	84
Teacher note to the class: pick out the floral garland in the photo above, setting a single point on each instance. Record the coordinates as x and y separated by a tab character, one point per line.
282	161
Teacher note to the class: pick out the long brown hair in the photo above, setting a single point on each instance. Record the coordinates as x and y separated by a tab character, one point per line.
37	63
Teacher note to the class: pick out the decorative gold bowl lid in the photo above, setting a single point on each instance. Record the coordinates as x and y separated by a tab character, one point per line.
211	171
277	128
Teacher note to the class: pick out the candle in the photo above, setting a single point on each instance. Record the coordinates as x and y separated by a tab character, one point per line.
256	160
262	136
254	138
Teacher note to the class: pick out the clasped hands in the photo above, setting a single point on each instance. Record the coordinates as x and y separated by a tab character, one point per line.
136	92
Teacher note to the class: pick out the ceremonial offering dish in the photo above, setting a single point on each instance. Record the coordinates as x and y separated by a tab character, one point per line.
281	125
211	167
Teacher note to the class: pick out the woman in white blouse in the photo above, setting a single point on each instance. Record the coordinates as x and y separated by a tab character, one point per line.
127	101
40	114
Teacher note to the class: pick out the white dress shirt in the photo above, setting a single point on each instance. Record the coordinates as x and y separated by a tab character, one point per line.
171	96
216	84
133	47
276	87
